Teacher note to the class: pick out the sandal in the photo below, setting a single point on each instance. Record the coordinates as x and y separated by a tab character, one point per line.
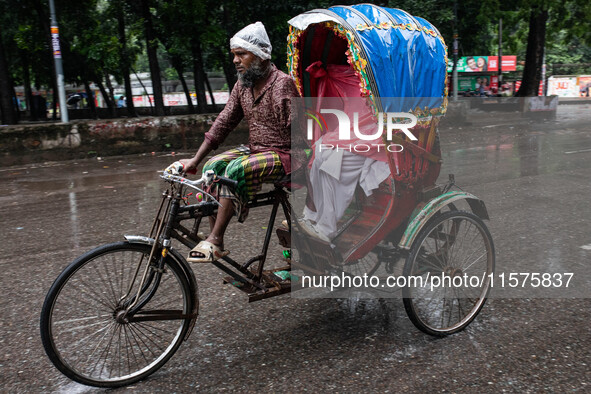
209	253
310	229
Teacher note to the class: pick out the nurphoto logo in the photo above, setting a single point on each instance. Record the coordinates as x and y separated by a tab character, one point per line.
394	121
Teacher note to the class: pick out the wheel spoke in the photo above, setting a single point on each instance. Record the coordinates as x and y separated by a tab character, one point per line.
92	289
139	334
83	339
474	262
86	331
148	334
460	243
145	324
90	357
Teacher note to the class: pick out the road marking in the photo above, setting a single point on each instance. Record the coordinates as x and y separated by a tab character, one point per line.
586	247
73	388
577	151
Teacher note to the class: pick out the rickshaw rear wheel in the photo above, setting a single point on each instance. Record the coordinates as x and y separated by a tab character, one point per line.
448	273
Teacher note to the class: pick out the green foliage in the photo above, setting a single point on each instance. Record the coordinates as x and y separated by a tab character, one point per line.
568	57
170	74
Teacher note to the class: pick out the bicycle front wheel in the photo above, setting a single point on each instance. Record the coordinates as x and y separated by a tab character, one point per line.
448	272
84	329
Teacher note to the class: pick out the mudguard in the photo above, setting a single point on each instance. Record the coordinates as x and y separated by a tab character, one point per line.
140	239
433	206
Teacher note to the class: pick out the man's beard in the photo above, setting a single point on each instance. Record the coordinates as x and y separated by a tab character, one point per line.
252	74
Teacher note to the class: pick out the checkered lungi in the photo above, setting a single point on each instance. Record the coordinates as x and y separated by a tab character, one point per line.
250	170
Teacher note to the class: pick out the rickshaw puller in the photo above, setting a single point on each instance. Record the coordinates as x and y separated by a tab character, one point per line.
263	96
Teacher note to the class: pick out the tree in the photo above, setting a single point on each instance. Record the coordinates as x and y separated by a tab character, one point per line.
32	60
534	56
119	12
151	49
180	24
172	35
566	21
6	90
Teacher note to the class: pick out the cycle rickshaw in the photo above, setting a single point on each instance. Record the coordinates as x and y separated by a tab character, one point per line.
118	313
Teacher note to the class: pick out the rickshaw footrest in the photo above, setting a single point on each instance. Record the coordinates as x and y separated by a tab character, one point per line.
274	284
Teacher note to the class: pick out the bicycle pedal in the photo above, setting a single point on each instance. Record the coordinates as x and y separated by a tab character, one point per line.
236	283
281	275
284	237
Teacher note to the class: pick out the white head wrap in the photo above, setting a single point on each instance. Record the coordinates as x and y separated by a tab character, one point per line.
254	39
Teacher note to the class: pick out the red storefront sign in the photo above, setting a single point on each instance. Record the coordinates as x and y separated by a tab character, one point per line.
509	63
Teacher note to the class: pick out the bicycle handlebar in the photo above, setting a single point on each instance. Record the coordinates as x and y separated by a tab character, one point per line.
206	179
231	183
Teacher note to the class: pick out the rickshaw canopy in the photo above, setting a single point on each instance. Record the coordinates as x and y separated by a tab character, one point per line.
395	55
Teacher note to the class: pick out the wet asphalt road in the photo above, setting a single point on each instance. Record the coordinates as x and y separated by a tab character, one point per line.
534	178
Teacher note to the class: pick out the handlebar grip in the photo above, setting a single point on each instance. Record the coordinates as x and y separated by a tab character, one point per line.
231	183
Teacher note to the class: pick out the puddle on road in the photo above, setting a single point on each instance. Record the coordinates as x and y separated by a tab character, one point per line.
42	180
477	155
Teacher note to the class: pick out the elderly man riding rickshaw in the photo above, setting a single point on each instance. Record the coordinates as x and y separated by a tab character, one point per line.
351	134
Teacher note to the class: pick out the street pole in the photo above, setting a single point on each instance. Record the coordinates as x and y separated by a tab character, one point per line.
57	58
455	53
544	87
455	69
500	68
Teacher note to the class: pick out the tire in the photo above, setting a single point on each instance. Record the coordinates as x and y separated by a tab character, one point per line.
456	243
79	329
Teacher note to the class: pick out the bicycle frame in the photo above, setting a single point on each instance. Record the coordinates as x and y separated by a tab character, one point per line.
244	276
168	225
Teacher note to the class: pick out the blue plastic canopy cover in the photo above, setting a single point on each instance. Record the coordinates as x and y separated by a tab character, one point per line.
406	55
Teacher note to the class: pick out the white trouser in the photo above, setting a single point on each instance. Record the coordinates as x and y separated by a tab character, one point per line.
334	176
